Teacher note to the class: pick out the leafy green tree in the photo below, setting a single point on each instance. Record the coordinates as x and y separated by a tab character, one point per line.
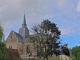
46	38
3	50
1	33
76	53
53	35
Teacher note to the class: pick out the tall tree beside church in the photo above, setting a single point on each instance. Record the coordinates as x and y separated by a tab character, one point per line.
47	34
1	33
3	50
53	35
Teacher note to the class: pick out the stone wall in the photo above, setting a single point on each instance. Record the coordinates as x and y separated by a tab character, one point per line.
20	47
11	41
60	57
64	57
31	47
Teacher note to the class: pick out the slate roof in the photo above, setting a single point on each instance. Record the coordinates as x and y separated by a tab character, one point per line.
27	39
20	39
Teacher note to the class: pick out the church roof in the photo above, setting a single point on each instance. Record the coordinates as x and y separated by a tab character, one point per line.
20	39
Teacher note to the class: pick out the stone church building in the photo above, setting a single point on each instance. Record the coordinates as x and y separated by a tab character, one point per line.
20	40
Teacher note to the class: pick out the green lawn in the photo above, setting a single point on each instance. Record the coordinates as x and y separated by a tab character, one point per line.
34	59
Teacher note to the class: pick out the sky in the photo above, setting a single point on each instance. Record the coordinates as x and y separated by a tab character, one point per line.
65	13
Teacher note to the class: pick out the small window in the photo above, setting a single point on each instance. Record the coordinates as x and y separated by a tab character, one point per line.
10	47
11	37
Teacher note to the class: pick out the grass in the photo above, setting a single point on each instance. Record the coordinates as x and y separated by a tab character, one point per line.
34	59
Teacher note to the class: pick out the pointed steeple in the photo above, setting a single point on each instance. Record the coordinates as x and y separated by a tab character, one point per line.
24	22
23	31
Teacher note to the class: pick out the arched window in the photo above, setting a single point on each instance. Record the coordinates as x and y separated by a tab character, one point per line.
11	37
28	49
10	47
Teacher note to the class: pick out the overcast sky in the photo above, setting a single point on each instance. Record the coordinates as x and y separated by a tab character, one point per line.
65	13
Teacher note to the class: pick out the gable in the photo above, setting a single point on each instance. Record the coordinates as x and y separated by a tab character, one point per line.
13	36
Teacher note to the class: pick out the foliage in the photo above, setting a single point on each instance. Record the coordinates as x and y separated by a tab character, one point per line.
76	53
46	38
1	33
3	50
65	50
36	59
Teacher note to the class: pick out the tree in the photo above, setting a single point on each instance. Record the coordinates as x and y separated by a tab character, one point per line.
46	38
3	50
65	50
1	33
76	53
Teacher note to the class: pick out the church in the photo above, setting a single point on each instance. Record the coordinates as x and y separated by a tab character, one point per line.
21	40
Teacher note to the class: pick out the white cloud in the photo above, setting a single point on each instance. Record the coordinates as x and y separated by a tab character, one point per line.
70	28
67	31
78	6
11	12
2	8
48	16
36	9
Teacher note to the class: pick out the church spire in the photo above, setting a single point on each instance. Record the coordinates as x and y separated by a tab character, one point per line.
24	22
23	31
